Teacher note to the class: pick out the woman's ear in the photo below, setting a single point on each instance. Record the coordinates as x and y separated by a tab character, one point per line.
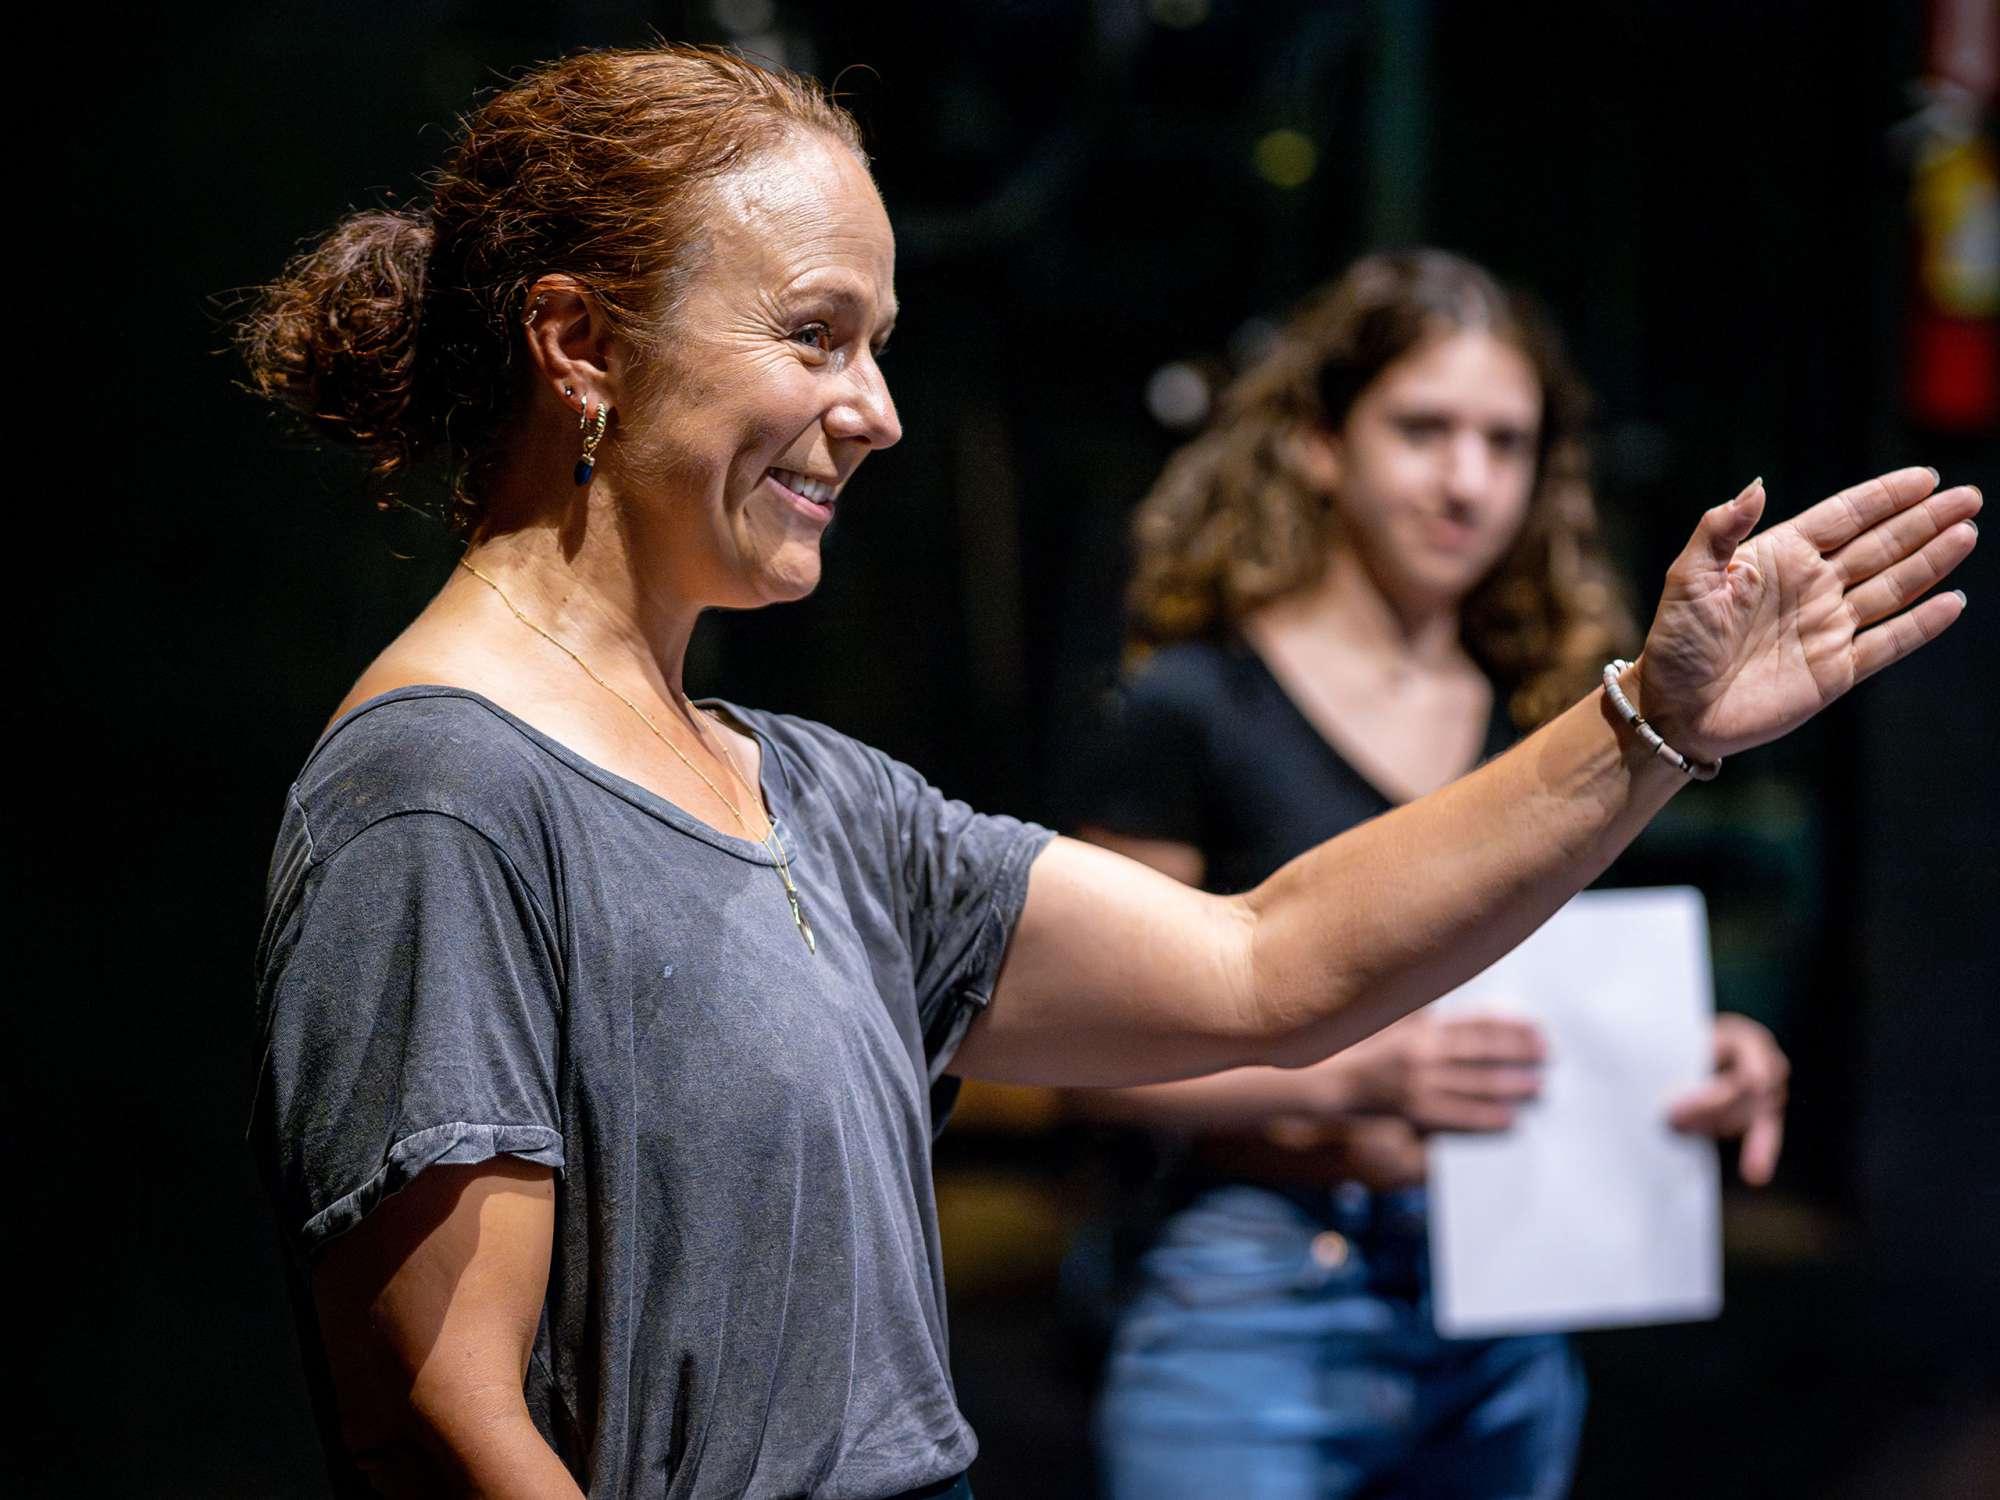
569	340
1313	455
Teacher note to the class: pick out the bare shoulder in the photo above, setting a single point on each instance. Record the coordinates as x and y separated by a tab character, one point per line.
438	649
392	670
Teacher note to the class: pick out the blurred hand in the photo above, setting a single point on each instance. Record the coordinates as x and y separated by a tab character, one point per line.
1746	1097
1445	1072
1754	635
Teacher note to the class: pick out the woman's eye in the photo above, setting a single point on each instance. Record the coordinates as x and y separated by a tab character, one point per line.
817	335
1421	429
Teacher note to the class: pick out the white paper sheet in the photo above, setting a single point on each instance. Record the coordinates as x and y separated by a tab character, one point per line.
1589	1212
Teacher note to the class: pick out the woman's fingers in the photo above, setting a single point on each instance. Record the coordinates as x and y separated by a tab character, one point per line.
1507	1082
1489	1039
1726	1107
1757	1162
1887	592
1449	1112
1745	1097
1482	1069
1903	533
1704	1111
1721	530
1839	519
1725	528
1728	1120
1891	641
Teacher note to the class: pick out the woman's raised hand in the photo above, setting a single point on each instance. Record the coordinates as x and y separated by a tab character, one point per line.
1756	634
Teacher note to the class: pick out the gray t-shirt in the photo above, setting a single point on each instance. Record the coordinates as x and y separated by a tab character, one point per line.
476	942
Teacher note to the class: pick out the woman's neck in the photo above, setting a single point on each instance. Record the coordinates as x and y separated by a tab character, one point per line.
1348	607
575	576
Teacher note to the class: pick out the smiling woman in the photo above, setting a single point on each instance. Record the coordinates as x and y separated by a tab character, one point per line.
604	1033
768	394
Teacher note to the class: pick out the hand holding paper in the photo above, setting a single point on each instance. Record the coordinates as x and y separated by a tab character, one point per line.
1590	1211
1457	1072
1746	1097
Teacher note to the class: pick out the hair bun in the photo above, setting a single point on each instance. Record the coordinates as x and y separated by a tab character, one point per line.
335	336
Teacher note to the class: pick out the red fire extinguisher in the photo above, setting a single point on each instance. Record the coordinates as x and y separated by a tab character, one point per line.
1953	382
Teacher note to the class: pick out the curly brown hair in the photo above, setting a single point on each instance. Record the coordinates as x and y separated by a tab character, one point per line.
1232	525
398	331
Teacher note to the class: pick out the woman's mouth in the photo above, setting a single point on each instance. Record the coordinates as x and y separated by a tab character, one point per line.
814	497
1450	533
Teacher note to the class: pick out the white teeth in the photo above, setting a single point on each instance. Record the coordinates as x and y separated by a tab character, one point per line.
816	490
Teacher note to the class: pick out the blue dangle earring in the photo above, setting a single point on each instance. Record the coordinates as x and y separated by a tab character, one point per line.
593	434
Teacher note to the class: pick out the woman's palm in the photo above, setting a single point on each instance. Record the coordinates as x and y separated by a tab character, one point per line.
1754	635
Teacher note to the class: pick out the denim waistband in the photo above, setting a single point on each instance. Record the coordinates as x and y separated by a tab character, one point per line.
1355	1209
1350	1207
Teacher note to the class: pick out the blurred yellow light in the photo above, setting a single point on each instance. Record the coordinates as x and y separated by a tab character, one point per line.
1285	158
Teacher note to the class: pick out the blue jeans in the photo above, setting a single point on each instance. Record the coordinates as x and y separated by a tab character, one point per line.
1280	1347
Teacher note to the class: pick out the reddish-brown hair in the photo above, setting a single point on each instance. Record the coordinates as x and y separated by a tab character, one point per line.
1232	525
398	331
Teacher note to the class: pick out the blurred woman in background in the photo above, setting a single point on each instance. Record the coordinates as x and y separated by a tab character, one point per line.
1377	567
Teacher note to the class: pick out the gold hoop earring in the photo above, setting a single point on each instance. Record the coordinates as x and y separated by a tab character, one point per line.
593	434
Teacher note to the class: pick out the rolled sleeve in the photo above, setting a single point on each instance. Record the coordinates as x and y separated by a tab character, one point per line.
415	1020
965	879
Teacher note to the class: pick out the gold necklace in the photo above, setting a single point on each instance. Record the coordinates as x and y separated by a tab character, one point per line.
771	842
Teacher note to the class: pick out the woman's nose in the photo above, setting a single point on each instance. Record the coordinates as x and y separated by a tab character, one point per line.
867	412
1469	467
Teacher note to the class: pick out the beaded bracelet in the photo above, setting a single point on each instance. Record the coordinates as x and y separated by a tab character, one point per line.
1699	770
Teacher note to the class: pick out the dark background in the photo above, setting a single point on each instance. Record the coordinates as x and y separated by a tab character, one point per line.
1710	198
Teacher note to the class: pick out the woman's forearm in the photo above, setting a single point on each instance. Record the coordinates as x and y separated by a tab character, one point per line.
501	1456
482	1444
1118	976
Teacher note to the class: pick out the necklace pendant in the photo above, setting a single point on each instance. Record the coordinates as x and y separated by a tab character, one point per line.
776	845
805	927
